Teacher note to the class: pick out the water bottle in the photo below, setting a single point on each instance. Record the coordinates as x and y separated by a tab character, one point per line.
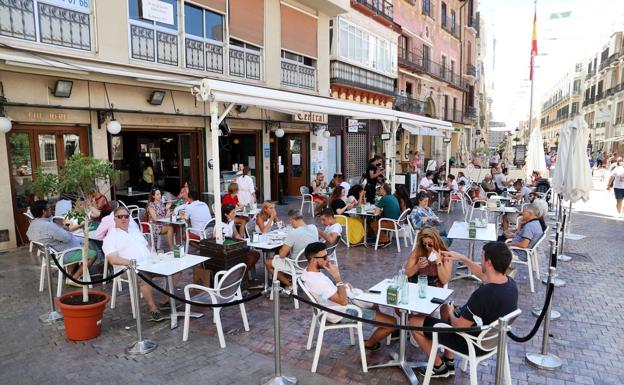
404	299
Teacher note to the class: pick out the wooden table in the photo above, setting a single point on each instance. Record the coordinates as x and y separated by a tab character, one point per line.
416	305
168	267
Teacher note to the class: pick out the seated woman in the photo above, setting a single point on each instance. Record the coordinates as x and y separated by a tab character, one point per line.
182	197
403	197
266	217
232	198
317	185
228	216
422	216
427	259
357	194
156	210
338	206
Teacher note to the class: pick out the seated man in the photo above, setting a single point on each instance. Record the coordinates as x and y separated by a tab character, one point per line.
500	181
488	184
296	241
334	294
332	231
196	213
530	230
522	195
123	243
387	207
497	297
455	190
48	233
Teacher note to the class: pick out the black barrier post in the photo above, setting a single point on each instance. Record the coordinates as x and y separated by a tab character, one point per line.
558	282
501	353
277	379
53	315
554	314
545	360
141	346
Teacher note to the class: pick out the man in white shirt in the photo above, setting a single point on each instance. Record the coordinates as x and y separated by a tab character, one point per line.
617	182
333	294
122	244
332	231
500	180
196	212
426	182
108	223
296	241
522	191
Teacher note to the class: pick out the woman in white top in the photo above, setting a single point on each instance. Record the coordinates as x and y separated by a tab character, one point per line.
265	218
246	188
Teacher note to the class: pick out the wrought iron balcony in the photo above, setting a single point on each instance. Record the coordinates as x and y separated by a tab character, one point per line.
415	61
298	75
471	112
343	73
590	74
382	8
245	63
409	104
471	70
608	61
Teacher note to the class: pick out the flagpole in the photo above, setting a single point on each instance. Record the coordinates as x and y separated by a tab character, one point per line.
532	74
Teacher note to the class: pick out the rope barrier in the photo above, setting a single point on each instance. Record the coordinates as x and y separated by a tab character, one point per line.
474	329
193	303
67	275
538	322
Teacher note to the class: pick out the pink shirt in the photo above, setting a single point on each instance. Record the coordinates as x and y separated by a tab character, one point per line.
107	223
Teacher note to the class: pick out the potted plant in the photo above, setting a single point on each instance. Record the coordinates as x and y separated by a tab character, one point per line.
81	175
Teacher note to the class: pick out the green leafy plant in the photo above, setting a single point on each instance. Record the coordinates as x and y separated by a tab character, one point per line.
80	175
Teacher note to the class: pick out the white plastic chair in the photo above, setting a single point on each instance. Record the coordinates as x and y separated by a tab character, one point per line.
400	225
59	257
331	253
532	262
487	341
293	267
202	234
306	198
320	317
226	289
117	287
343	221
28	215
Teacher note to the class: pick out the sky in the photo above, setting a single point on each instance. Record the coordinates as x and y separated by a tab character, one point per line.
563	39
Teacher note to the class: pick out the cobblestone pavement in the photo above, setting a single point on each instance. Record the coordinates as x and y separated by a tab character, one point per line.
588	337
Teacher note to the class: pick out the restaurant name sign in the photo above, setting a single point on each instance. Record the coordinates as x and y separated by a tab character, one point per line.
310	117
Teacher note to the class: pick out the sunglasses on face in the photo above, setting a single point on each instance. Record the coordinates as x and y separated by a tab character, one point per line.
122	216
324	257
429	245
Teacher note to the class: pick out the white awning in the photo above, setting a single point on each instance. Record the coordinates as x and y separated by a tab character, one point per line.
269	98
422	131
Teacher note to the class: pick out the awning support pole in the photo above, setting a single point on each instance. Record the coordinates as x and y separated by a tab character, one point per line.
227	111
448	158
393	130
216	166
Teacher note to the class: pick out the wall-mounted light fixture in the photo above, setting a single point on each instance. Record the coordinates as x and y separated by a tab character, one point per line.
241	108
63	88
5	122
156	98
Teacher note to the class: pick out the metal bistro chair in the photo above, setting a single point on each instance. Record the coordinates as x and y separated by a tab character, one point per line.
486	341
320	317
532	255
226	289
306	199
400	225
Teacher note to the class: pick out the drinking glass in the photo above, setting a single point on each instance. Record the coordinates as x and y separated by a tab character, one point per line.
422	286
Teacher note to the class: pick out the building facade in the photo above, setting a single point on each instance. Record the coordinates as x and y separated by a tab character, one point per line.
603	96
67	70
561	103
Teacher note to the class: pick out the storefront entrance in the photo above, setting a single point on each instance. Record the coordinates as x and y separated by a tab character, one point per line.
241	149
292	151
175	157
31	147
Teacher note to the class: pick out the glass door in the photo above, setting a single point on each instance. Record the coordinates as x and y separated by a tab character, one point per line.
296	162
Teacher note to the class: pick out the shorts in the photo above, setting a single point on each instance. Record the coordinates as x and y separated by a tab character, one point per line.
619	193
367	314
76	256
452	340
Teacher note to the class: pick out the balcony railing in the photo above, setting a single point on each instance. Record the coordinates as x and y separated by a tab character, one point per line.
342	73
203	56
608	61
471	70
245	63
409	104
599	96
382	8
452	29
415	61
471	112
295	74
590	74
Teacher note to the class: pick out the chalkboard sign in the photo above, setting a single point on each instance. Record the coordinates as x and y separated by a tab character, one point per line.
519	155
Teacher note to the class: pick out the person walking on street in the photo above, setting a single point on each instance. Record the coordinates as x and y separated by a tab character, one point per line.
616	181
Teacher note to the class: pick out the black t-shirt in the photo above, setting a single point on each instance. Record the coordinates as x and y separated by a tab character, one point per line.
371	168
337	204
491	301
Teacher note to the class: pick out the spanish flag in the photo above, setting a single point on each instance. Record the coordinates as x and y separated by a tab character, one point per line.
533	43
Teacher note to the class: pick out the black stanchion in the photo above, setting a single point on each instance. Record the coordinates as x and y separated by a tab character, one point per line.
278	378
558	282
53	315
141	346
501	351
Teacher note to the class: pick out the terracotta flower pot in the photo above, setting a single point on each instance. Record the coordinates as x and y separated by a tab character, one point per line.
82	321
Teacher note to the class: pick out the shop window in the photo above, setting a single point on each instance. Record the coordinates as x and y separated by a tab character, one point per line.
150	40
59	24
358	45
203	42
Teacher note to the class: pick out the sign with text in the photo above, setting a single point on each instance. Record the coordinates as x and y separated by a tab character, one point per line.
83	6
310	117
354	125
157	10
